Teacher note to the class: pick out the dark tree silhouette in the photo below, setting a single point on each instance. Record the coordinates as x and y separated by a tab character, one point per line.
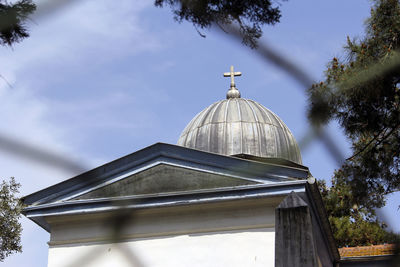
361	91
250	15
10	212
12	20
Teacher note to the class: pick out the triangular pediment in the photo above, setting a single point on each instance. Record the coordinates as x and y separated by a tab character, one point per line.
164	179
163	169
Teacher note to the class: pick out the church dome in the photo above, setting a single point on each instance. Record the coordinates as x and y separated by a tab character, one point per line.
240	126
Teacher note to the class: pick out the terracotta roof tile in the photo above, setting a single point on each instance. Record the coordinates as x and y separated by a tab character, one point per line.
374	250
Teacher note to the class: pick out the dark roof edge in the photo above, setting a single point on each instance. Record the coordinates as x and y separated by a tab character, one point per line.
275	161
100	170
366	258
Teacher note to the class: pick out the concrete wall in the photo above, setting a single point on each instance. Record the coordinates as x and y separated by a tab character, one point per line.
324	256
235	233
234	248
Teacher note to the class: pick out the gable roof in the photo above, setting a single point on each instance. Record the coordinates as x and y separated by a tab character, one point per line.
173	155
164	174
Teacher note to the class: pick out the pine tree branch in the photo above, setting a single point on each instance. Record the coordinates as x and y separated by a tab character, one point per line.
367	145
375	139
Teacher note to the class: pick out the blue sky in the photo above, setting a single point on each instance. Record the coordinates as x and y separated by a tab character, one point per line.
98	80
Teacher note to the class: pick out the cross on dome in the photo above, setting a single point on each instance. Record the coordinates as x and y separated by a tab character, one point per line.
232	74
233	92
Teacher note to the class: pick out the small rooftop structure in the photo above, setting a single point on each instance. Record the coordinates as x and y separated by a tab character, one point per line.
240	126
374	250
369	256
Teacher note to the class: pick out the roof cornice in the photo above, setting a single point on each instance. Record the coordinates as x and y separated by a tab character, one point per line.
172	154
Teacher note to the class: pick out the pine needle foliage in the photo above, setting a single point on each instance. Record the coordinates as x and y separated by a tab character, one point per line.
361	92
352	225
250	15
13	17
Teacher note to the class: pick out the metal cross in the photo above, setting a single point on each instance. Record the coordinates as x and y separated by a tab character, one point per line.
232	74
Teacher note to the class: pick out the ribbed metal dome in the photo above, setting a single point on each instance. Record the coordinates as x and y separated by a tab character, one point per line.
240	126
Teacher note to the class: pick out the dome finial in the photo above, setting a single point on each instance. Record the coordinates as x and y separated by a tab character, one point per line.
233	91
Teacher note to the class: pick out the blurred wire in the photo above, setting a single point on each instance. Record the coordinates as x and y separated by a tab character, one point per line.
29	151
305	80
44	9
55	160
271	56
116	223
47	8
39	154
325	137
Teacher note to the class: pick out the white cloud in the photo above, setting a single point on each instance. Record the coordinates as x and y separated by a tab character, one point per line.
82	34
79	37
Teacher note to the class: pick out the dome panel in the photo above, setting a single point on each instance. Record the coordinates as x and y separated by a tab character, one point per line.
215	130
268	131
219	115
191	138
206	118
246	113
250	137
260	115
232	111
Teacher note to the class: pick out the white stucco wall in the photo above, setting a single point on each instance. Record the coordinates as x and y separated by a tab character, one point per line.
233	248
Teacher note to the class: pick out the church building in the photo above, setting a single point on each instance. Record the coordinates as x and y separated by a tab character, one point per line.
232	192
